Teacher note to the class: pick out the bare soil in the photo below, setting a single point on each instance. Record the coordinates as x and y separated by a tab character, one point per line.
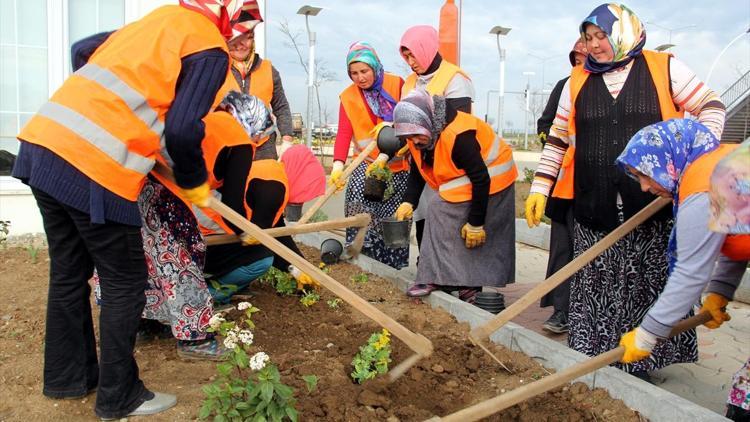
301	341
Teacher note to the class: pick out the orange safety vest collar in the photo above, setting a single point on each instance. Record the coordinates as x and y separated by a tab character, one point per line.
107	119
451	182
658	66
697	179
359	115
439	82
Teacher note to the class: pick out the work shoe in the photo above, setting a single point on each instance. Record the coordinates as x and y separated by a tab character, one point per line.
469	294
420	290
557	323
208	349
159	403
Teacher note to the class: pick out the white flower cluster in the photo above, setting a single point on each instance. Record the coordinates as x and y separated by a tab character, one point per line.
244	305
258	361
246	337
216	321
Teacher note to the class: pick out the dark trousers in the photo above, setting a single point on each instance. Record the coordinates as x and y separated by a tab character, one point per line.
560	254
71	369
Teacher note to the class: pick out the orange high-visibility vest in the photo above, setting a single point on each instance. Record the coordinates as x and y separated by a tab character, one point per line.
107	119
261	86
658	66
451	182
261	82
439	82
697	179
359	116
222	131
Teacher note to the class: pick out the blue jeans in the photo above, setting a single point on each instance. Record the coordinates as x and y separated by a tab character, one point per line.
239	278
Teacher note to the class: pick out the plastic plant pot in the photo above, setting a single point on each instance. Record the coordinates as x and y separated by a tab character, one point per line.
374	189
330	251
293	212
396	233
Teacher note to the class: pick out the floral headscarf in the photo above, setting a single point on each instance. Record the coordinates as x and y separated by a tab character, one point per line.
223	13
248	19
730	192
662	151
625	33
419	113
381	103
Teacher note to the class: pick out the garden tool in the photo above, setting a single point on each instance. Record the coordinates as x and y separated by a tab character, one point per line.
330	190
482	333
520	394
416	342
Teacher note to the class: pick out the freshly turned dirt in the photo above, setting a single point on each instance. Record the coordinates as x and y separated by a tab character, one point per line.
318	340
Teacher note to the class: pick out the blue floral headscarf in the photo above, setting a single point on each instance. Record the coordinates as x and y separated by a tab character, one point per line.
625	33
662	151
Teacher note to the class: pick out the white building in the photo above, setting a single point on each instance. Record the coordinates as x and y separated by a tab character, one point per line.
35	40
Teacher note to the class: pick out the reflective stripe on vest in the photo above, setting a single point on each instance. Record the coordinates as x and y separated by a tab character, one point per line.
135	101
658	67
493	170
96	136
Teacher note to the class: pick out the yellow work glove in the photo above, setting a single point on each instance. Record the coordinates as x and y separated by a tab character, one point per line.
473	235
403	151
303	280
199	195
404	211
535	208
379	163
336	173
638	344
248	240
715	304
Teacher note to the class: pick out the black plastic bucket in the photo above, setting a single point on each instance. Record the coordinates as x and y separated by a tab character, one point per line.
293	212
330	251
374	189
396	233
492	302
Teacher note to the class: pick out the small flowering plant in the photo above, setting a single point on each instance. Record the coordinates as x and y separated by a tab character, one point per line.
248	388
373	358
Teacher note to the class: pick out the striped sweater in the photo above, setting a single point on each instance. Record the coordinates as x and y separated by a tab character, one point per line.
688	93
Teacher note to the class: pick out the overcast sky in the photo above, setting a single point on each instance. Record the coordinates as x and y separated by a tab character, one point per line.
543	28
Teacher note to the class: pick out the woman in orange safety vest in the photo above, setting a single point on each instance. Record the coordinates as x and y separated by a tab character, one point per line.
620	89
86	154
368	101
675	159
469	237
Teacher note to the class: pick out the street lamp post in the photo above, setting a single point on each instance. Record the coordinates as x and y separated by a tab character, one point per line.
527	93
308	11
724	50
487	112
499	30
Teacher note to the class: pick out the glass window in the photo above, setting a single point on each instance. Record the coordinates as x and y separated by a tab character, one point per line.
89	17
24	75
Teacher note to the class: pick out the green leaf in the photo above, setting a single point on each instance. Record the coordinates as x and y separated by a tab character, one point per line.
205	410
292	413
233	413
220	418
260	418
266	391
311	382
285	391
242	360
242	406
224	369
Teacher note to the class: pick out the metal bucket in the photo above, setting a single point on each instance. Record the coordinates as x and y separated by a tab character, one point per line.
293	212
395	233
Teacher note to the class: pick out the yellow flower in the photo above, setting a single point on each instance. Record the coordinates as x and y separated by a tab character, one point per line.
383	341
322	265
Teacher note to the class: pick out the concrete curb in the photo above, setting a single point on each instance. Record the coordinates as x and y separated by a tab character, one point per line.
652	402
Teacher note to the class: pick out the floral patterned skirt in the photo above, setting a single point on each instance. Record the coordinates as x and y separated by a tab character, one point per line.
177	293
739	395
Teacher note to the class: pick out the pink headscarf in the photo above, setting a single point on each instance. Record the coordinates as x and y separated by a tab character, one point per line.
422	41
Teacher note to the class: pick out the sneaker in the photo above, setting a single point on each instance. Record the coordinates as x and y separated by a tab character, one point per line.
557	323
209	349
159	403
420	290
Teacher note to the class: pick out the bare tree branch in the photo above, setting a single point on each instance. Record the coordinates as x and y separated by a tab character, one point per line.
293	41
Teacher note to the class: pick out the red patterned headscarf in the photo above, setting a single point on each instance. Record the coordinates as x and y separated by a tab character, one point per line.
223	13
248	20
